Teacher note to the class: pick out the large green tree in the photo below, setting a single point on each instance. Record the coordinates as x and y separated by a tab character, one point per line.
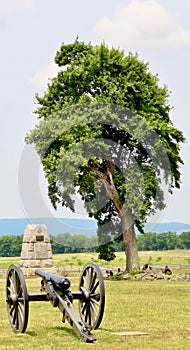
104	132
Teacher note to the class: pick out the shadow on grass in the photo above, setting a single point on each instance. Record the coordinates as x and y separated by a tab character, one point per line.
105	329
71	331
68	331
64	330
31	333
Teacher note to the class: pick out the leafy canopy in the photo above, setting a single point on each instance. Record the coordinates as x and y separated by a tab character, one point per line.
105	132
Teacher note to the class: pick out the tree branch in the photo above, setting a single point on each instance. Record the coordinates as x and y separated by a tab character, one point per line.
107	180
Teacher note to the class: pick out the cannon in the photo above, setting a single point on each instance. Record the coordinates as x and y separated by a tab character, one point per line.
56	290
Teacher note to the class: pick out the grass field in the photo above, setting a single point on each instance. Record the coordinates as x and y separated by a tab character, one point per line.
156	258
159	308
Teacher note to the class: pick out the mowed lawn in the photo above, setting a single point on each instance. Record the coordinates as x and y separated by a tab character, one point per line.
159	308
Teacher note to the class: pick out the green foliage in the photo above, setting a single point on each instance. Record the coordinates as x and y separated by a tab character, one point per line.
61	243
184	241
89	142
67	243
135	271
163	241
106	252
10	245
116	277
150	260
158	259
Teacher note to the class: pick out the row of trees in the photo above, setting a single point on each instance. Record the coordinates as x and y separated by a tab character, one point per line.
163	241
63	243
10	245
67	243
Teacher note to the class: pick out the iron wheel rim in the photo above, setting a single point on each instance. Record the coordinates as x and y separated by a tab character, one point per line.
91	305
17	299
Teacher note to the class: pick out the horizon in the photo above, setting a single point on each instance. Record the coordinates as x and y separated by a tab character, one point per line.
88	227
71	218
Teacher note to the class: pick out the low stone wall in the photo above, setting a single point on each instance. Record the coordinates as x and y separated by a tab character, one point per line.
158	276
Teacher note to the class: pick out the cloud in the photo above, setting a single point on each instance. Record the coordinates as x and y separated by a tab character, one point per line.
41	78
142	24
12	6
23	4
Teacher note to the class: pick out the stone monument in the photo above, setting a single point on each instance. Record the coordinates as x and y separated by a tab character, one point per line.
36	248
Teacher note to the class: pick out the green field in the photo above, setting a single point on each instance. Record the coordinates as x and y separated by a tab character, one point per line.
159	308
156	258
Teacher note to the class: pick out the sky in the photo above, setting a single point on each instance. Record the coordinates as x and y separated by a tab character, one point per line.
32	31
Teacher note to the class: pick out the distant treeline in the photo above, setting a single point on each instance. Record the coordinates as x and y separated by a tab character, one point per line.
163	241
67	243
11	245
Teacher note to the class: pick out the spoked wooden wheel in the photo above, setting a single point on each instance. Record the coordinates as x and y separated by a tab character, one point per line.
17	299
91	305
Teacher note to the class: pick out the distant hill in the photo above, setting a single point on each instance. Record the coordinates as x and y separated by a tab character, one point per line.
177	227
86	227
55	225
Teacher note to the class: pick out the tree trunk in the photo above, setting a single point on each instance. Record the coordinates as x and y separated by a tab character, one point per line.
129	239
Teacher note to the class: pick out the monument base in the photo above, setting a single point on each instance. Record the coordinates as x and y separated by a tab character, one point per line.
30	271
36	250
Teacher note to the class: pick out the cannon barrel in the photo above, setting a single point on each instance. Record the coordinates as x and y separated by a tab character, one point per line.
61	282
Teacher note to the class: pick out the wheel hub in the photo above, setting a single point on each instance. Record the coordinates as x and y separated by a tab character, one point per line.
86	294
13	299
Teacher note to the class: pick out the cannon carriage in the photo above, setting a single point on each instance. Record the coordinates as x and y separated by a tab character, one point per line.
56	289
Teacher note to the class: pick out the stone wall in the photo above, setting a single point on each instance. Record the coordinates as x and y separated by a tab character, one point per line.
158	276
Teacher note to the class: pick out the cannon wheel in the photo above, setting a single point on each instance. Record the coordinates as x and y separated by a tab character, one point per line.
17	299
91	305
